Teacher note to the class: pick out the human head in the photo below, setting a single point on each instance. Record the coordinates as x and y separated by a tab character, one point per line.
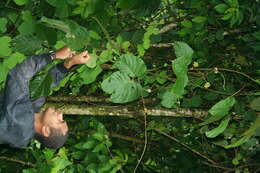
50	128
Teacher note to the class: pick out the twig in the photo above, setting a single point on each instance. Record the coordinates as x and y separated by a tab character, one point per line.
145	135
186	146
228	70
238	91
217	166
168	28
18	161
160	45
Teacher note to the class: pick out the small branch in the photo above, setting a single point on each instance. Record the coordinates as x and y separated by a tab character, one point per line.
186	146
168	28
127	138
18	161
228	70
238	91
162	45
124	111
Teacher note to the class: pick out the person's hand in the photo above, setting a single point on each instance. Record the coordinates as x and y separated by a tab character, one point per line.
80	58
64	53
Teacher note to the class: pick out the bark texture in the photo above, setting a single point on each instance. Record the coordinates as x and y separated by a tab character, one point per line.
124	111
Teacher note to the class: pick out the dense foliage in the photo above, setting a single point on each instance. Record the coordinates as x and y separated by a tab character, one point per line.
171	53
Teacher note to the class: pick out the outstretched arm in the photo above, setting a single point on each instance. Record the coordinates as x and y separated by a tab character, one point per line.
17	127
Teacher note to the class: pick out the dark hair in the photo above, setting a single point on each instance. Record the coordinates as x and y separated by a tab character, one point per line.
55	140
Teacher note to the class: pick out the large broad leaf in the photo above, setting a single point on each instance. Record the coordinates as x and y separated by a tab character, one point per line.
4	46
89	75
180	67
218	130
40	85
26	44
78	37
122	88
219	110
247	134
131	65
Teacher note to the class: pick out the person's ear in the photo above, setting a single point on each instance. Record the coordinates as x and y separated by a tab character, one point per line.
46	131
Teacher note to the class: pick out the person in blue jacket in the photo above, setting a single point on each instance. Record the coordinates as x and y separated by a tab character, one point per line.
20	116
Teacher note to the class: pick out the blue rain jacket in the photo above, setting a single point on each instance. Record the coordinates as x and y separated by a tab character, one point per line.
17	109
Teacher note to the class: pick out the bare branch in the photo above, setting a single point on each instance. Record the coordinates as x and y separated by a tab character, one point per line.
124	111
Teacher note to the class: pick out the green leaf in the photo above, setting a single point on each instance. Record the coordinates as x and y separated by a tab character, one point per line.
218	130
180	67
221	8
48	153
99	147
53	2
89	75
29	24
59	44
126	4
227	16
220	110
122	88
98	136
40	85
78	38
199	19
94	35
62	10
257	35
4	46
162	77
3	73
14	59
168	99
26	44
186	24
60	162
86	145
57	24
20	2
3	23
131	65
238	142
92	62
255	104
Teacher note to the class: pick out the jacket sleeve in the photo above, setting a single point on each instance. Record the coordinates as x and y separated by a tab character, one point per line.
58	72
